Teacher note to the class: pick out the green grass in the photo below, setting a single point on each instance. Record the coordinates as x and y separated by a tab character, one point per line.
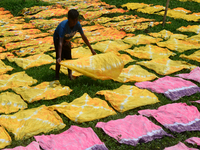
87	85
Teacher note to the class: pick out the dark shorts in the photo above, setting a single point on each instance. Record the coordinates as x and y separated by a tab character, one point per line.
66	48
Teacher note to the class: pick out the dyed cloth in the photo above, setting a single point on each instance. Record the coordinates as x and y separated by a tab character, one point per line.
128	97
4	68
32	61
48	13
195	56
2	49
179	146
30	122
165	66
179	45
5	55
149	52
20	32
133	6
8	27
107	46
193	140
64	70
124	130
135	73
43	91
126	58
31	42
172	87
6	16
165	34
101	66
151	9
141	39
15	20
190	28
84	109
75	138
80	52
177	117
32	146
195	38
15	80
5	138
11	102
193	75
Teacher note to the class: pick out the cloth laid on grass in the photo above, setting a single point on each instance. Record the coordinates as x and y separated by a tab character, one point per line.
177	117
11	102
32	146
132	129
128	97
15	80
27	123
2	49
195	38
107	46
4	12
30	42
126	58
32	61
149	52
133	6
48	13
172	87
42	91
5	55
84	109
141	39
8	27
179	45
64	70
166	66
80	52
15	20
179	146
151	9
193	75
6	16
135	73
92	28
195	56
4	68
101	66
5	138
75	138
190	28
20	32
193	140
165	34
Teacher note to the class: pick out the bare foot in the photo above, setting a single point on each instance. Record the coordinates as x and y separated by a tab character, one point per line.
71	77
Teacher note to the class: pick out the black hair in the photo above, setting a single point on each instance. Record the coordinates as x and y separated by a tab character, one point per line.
73	14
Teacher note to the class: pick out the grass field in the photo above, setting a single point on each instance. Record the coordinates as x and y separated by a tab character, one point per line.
87	85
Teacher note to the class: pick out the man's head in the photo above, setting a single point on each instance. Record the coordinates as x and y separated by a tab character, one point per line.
73	17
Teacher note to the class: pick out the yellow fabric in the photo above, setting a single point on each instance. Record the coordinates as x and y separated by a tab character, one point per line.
5	138
167	34
133	6
4	68
151	9
11	102
149	52
108	46
5	55
7	27
165	66
15	80
194	56
190	28
64	70
195	38
6	16
101	66
14	20
84	109
2	49
141	39
126	58
135	73
27	123
43	91
128	97
81	52
20	32
179	45
32	61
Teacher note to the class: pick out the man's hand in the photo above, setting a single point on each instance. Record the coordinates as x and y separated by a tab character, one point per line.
58	60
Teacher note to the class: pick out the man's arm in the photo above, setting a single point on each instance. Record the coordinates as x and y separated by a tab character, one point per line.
60	44
87	43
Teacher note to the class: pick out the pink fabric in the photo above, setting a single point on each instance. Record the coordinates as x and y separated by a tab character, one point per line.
193	75
179	146
193	140
75	138
196	101
172	87
32	146
177	117
132	129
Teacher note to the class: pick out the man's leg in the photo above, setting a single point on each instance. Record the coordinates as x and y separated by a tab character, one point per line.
55	39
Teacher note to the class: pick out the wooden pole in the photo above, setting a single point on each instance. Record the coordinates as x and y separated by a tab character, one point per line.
166	8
